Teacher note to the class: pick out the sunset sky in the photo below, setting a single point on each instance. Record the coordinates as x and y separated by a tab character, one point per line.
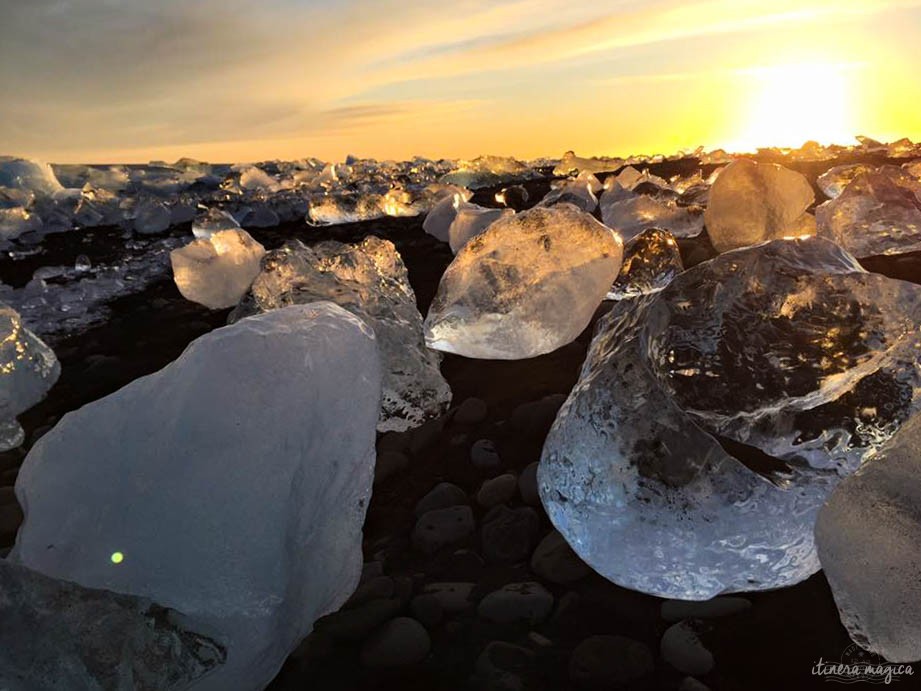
235	80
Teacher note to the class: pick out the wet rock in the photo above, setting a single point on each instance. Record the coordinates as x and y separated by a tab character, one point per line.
527	603
453	597
676	610
605	662
470	412
442	527
502	666
356	624
444	495
683	650
497	491
527	485
509	535
389	463
427	609
483	454
555	562
400	642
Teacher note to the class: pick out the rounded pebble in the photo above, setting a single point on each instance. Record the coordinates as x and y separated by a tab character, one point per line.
399	642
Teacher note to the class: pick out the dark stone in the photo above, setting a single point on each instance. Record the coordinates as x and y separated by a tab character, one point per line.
509	535
603	662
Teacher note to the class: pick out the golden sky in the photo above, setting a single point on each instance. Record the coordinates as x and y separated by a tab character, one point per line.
235	80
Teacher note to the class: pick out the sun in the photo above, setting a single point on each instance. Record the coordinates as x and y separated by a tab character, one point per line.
791	104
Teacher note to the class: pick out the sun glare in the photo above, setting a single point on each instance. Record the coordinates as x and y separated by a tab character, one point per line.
794	103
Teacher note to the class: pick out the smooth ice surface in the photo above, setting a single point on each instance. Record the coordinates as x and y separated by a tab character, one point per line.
752	202
579	192
877	213
234	482
218	270
370	280
472	220
212	221
26	174
632	216
788	348
833	181
28	369
869	541
526	286
59	635
485	171
651	261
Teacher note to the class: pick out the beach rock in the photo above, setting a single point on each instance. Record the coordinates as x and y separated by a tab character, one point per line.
389	464
444	495
555	562
218	270
875	214
834	378
483	454
651	261
508	535
400	642
59	635
517	603
632	216
606	662
186	522
514	197
497	491
676	610
682	649
442	527
752	202
471	412
28	369
527	485
869	542
470	221
503	666
453	597
527	286
369	280
427	609
357	623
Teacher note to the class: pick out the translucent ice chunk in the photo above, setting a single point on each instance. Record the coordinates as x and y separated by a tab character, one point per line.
874	215
526	286
16	221
651	261
486	171
632	216
752	202
869	541
28	369
231	485
472	220
212	221
370	280
218	270
786	355
25	174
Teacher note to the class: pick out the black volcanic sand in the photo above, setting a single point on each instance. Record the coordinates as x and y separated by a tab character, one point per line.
773	645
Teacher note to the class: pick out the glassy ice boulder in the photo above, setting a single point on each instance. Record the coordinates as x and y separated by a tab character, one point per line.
485	171
527	286
345	207
577	192
28	369
752	202
571	164
833	181
877	213
651	261
218	270
59	635
869	541
370	280
633	215
29	175
211	221
472	220
17	220
438	220
231	485
712	419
